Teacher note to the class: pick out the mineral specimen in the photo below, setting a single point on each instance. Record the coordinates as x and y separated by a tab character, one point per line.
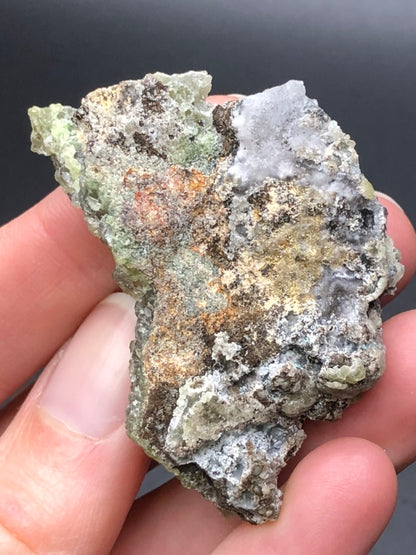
257	254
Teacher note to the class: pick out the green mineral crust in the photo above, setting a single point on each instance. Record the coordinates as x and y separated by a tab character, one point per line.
257	254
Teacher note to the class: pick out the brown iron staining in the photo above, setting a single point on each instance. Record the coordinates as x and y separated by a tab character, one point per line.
163	202
221	118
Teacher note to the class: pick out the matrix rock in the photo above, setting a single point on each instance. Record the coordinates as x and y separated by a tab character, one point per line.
257	254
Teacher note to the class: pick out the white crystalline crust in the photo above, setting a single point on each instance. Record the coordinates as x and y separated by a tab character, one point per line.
280	127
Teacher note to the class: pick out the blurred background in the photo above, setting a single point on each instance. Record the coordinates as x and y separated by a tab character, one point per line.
357	58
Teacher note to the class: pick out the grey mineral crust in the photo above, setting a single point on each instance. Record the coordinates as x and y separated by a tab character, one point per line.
257	254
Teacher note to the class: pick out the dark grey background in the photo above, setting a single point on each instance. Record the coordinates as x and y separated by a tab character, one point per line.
357	57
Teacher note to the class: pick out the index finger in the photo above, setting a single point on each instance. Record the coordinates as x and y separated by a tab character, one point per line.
52	273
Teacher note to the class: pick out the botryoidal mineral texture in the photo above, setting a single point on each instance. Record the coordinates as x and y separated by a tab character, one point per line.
257	254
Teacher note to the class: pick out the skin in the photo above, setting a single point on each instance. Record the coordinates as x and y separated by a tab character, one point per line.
62	491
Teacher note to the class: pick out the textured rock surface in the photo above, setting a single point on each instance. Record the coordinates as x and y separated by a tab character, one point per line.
257	254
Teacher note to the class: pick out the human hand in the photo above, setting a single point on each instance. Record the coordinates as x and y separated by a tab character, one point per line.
69	474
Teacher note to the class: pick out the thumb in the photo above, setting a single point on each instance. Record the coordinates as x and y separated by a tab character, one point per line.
68	471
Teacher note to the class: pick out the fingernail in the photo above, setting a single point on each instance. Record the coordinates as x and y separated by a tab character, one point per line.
237	95
383	195
88	390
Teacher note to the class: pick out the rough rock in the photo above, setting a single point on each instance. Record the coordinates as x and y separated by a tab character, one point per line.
257	254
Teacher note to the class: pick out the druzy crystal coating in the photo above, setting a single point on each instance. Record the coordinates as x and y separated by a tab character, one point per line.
257	254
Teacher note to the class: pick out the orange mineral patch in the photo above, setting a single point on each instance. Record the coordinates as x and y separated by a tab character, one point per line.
163	202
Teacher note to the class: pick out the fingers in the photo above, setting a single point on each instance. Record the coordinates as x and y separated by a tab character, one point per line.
386	415
173	520
338	500
68	471
400	229
52	272
221	98
9	412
